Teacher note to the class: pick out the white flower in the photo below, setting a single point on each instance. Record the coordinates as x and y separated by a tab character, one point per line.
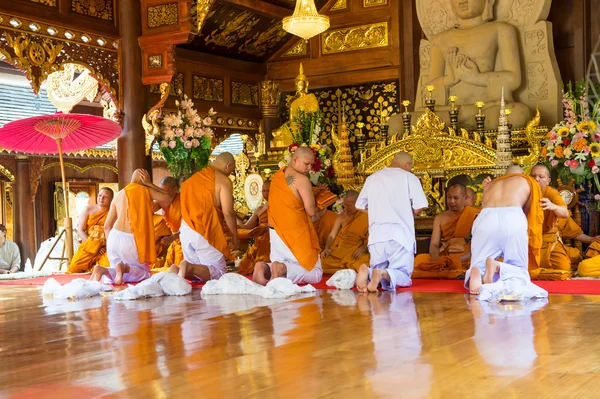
168	134
188	144
208	132
189	132
211	112
581	156
172	143
177	103
327	162
568	152
207	121
187	104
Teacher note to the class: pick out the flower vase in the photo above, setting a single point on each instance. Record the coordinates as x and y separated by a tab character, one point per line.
579	170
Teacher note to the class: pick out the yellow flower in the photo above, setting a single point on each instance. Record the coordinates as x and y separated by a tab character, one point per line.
586	126
563	131
580	145
595	150
315	147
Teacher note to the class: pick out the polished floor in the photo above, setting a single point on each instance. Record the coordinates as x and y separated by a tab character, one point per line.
334	344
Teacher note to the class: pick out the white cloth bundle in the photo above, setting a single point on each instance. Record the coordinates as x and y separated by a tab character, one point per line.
76	289
158	285
343	279
233	283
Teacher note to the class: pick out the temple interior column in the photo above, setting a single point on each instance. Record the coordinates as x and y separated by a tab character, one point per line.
131	145
270	97
24	222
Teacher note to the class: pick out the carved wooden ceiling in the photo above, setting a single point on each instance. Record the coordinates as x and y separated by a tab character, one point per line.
252	33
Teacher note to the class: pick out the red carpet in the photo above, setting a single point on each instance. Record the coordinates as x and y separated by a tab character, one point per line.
581	287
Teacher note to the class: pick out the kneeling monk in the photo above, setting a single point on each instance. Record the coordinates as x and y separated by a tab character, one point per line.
257	227
172	218
508	226
92	250
346	246
294	243
129	230
449	249
207	198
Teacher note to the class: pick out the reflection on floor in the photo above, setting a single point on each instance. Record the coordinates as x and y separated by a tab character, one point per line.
332	344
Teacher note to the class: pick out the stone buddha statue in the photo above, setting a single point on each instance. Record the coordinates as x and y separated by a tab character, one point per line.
474	61
302	101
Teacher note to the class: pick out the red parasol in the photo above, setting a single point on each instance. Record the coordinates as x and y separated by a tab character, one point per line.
58	133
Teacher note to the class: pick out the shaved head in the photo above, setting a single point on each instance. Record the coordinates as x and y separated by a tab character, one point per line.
108	191
302	160
169	184
541	174
352	194
514	169
349	201
455	197
470	197
402	160
302	152
225	162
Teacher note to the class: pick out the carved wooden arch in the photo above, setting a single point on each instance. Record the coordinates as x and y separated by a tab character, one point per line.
81	169
7	173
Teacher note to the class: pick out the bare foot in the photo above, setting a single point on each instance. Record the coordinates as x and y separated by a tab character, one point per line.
119	275
491	268
278	269
182	268
261	274
174	269
375	280
475	281
362	279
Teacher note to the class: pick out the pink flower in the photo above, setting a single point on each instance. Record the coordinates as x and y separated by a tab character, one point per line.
597	197
208	132
188	144
574	163
595	169
164	144
195	143
172	144
553	136
169	134
586	150
207	121
595	137
554	163
189	132
179	132
567	163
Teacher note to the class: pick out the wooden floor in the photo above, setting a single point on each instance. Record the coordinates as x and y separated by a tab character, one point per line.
333	344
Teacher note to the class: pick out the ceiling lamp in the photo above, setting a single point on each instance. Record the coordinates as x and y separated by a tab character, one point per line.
306	21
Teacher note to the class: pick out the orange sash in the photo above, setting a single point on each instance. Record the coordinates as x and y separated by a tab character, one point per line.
173	214
291	222
568	228
140	215
535	221
550	218
161	229
456	230
199	211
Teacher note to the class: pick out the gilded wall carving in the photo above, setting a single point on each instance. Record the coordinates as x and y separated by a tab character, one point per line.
102	9
50	3
155	61
175	88
298	49
373	3
339	5
355	38
208	89
162	15
244	93
200	11
45	51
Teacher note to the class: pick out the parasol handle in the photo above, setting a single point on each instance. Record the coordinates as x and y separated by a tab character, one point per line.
68	223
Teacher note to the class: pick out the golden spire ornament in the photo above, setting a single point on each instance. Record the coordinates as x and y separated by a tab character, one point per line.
306	21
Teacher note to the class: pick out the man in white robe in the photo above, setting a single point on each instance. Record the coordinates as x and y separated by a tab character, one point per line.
392	198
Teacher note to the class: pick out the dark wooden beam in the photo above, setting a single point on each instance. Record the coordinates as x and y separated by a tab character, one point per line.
261	8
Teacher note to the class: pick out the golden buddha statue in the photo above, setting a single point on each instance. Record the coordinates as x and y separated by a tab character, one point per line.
302	101
473	61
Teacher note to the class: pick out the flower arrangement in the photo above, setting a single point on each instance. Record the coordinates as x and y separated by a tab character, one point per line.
573	145
306	126
185	139
322	169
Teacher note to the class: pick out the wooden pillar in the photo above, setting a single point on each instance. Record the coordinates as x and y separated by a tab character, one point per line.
131	145
270	97
24	222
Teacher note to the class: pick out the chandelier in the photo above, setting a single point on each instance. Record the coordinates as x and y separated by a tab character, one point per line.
306	21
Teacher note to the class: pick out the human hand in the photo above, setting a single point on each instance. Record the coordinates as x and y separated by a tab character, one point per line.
547	205
486	181
144	176
235	244
359	252
595	239
326	253
102	251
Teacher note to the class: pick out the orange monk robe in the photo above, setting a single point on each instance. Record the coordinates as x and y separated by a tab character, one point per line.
87	256
161	230
260	250
570	230
199	211
291	222
455	243
353	233
590	267
324	225
555	261
173	219
141	218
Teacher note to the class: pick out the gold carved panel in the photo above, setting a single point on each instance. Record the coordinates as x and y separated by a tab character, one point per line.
244	93
355	38
175	88
300	48
374	3
339	5
155	61
208	89
50	3
102	9
162	15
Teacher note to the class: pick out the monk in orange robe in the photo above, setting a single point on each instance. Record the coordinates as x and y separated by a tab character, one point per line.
129	229
555	262
570	230
346	246
207	199
295	250
256	227
449	248
92	250
324	224
471	197
172	219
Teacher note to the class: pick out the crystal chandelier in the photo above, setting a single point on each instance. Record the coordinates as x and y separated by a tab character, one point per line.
306	21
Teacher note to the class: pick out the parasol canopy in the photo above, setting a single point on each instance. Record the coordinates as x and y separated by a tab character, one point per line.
37	135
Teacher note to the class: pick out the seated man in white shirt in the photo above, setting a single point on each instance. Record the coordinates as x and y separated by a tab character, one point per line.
392	197
10	258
